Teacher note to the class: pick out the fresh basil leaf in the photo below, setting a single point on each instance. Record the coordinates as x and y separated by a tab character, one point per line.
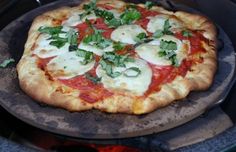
168	45
73	48
117	60
72	37
174	60
6	62
129	16
94	79
107	66
149	4
132	72
104	43
90	6
166	28
118	46
113	22
167	25
140	37
187	33
104	14
88	56
50	30
58	42
158	34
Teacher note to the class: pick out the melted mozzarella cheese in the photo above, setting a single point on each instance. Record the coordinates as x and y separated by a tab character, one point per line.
68	65
137	85
127	33
43	49
95	49
150	51
157	23
75	19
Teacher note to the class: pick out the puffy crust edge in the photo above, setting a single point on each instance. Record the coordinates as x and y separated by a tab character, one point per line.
37	85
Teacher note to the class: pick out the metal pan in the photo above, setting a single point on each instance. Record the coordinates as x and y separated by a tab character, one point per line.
95	124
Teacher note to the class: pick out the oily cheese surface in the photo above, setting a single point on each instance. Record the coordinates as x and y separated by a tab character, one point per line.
43	85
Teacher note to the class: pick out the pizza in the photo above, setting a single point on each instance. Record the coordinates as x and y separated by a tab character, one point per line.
117	57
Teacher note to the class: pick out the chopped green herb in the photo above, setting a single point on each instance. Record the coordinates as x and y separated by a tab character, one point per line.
166	28
72	37
168	51
94	79
96	39
104	14
90	6
58	42
187	33
110	59
168	45
129	16
149	4
118	46
88	9
6	62
113	22
158	34
140	37
132	72
51	30
88	56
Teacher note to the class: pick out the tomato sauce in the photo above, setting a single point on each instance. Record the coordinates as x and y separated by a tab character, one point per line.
195	41
43	62
145	12
89	91
166	74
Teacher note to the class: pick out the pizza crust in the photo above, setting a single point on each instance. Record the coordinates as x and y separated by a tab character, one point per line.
37	84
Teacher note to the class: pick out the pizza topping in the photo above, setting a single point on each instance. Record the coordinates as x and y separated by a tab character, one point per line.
94	79
166	50
55	40
135	78
88	56
131	14
68	65
164	23
187	33
149	4
127	33
110	60
140	37
95	42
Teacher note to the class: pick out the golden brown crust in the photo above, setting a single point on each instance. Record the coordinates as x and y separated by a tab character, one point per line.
36	83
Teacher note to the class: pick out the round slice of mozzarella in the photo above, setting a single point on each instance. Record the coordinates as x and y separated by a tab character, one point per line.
127	33
43	49
95	49
150	51
137	85
68	65
74	19
157	23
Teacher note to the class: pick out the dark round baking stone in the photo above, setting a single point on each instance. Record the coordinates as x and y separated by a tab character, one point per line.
94	124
